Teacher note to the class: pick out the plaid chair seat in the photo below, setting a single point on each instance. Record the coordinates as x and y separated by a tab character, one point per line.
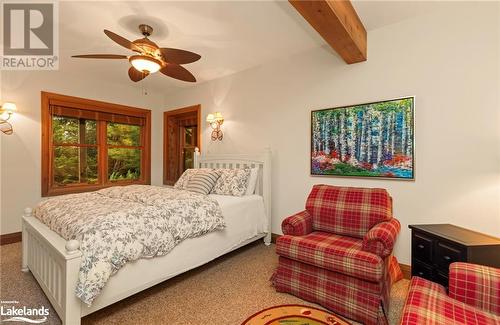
427	303
336	253
348	296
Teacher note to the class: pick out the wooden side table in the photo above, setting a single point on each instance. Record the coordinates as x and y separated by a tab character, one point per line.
434	247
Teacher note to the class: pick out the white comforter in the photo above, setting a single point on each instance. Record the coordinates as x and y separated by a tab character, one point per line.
124	223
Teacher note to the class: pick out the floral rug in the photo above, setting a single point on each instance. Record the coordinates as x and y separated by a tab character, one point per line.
294	315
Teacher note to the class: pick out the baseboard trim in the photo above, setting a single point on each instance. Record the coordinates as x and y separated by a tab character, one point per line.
406	269
11	238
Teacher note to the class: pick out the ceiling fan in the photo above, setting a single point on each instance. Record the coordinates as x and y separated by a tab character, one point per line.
150	58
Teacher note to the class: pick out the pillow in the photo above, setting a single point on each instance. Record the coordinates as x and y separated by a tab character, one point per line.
252	181
203	181
232	182
183	181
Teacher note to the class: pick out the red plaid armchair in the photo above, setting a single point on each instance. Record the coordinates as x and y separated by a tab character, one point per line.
474	298
338	252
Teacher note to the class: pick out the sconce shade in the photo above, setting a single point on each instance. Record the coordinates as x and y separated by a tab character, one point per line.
218	116
210	118
9	107
6	111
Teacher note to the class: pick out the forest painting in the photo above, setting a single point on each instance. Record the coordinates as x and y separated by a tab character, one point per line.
367	140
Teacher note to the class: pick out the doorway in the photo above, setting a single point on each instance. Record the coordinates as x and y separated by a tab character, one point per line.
181	135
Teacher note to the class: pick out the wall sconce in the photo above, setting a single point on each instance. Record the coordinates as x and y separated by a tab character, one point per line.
6	112
216	121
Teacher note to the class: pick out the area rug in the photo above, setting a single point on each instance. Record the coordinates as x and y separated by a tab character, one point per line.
294	315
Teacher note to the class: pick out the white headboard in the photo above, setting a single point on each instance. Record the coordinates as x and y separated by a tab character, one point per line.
231	161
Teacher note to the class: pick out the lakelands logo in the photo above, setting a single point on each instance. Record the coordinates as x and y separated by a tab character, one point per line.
30	35
23	314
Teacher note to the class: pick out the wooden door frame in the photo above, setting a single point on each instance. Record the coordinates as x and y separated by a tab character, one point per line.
168	114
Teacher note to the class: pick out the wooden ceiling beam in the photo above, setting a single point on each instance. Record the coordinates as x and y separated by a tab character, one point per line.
338	23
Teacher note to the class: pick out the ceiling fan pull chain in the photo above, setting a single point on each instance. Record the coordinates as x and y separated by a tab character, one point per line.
144	89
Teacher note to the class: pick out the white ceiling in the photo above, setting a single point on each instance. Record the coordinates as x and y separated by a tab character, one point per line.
231	36
376	13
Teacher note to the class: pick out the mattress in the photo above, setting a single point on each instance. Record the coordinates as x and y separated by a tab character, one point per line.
245	219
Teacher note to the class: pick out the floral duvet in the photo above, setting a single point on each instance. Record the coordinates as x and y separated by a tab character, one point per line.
124	223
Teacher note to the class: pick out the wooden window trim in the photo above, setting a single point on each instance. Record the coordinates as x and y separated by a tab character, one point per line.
166	116
48	99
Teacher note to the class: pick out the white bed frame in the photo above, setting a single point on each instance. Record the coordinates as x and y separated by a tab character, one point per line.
55	262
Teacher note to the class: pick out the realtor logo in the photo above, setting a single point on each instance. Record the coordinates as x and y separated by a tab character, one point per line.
30	35
11	313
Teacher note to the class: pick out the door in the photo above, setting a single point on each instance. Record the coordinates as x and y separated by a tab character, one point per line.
181	132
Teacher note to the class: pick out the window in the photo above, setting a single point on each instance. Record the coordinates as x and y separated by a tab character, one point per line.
87	145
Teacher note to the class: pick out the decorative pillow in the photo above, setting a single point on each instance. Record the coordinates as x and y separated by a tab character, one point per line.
183	181
203	181
232	182
252	181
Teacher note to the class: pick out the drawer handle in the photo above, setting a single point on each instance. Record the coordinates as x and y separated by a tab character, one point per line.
420	246
446	257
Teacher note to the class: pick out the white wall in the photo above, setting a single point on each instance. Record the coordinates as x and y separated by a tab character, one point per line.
20	172
449	60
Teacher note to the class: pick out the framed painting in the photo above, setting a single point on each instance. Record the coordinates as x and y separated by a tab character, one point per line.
366	140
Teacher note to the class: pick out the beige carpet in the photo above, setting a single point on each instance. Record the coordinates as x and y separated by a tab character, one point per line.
225	291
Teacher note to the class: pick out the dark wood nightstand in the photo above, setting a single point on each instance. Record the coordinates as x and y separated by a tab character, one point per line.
435	247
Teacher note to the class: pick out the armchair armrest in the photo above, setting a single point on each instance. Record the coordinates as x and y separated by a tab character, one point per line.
299	224
475	285
381	238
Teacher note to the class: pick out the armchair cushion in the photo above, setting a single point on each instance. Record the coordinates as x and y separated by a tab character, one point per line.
381	238
299	224
476	285
336	253
427	303
348	211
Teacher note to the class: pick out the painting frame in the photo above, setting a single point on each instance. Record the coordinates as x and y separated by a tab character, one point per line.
387	175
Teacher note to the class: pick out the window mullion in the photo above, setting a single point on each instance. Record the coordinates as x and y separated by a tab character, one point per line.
103	153
143	162
82	162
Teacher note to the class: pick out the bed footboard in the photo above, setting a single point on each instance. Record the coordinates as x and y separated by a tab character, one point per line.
55	264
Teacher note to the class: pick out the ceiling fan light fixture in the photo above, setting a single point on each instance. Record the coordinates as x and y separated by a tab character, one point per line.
145	63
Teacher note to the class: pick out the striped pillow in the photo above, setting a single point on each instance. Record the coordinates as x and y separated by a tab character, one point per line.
183	181
203	181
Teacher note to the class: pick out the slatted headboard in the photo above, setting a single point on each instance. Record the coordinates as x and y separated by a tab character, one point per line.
232	161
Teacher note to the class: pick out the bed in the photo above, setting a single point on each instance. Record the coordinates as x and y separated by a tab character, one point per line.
55	262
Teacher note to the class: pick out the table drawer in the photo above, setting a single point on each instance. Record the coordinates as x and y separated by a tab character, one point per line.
435	246
422	270
422	248
441	278
447	254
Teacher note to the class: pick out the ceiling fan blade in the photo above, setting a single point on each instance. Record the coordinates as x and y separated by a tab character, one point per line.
122	41
136	75
179	56
100	56
177	72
